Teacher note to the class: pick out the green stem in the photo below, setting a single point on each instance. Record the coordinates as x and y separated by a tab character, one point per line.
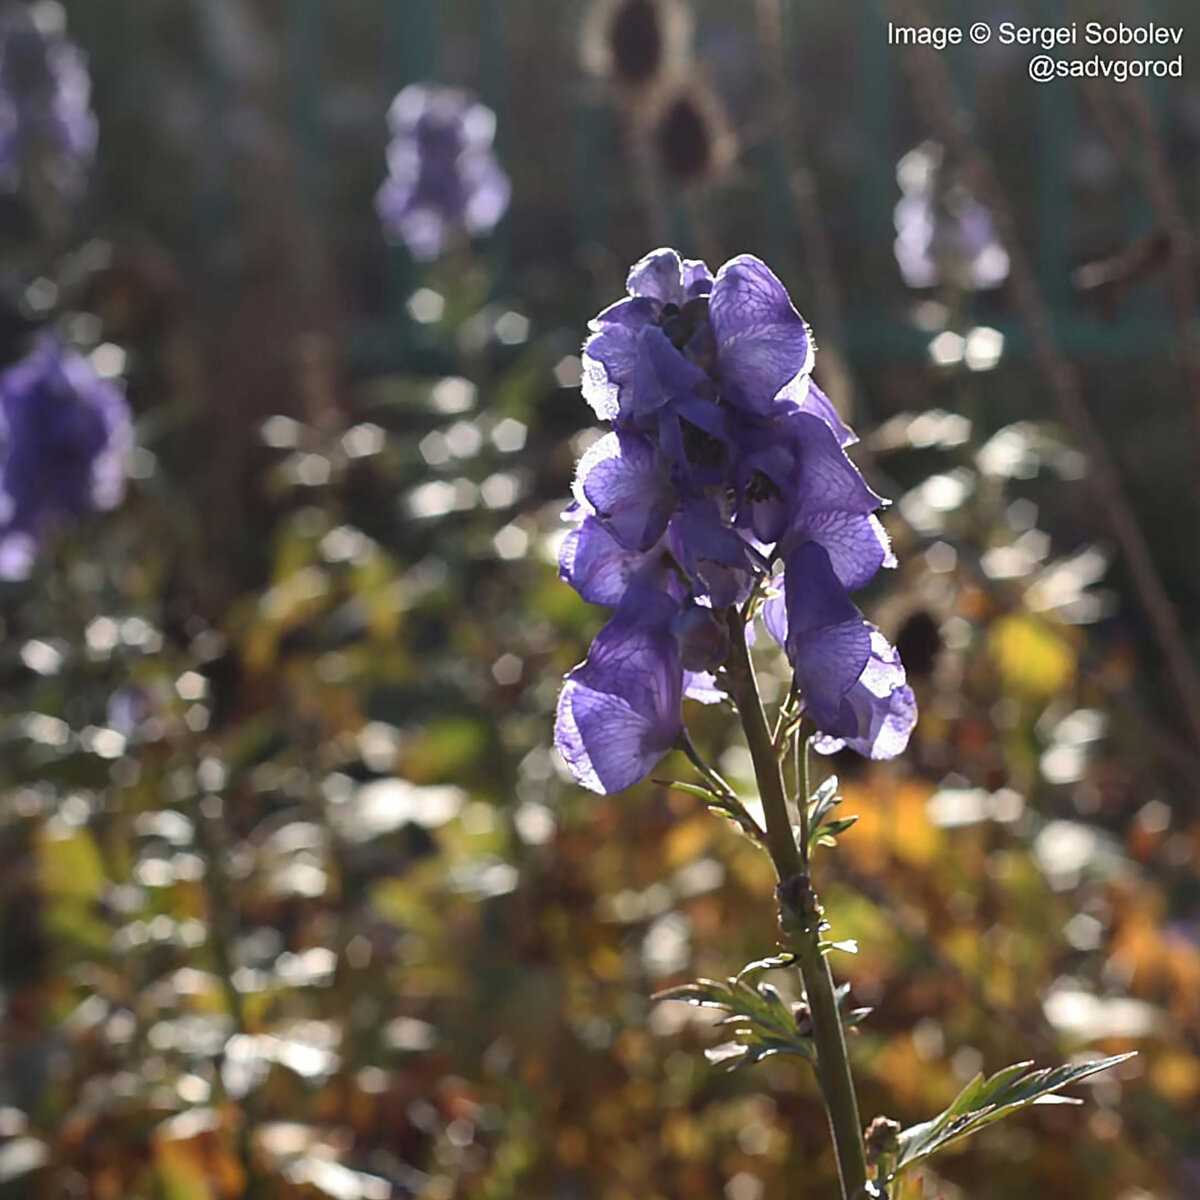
833	1063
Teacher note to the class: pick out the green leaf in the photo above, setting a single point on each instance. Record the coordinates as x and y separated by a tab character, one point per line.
823	829
761	1021
983	1101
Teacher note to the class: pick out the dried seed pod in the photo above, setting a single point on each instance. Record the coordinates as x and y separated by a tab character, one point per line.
690	135
635	43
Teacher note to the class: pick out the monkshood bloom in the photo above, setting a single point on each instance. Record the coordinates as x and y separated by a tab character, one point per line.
943	234
46	121
443	178
65	433
723	480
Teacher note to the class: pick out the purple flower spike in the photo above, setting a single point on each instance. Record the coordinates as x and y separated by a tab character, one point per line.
46	120
763	344
619	711
724	460
443	178
64	436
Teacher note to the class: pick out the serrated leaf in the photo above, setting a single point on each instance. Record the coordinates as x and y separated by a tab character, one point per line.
984	1101
761	1021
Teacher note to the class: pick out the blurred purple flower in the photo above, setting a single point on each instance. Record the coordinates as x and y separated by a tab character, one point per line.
723	458
943	234
443	178
46	121
65	433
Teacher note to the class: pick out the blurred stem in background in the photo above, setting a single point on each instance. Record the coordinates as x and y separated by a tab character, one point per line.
801	195
1142	151
936	99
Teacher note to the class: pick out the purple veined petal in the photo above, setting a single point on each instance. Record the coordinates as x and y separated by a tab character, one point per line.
596	565
661	374
828	663
718	560
762	341
804	394
816	598
621	481
857	546
619	711
828	642
765	484
608	361
829	480
659	276
879	713
606	743
694	440
634	311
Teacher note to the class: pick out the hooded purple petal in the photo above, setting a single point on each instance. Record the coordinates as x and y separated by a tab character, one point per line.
661	374
857	546
828	642
596	565
762	341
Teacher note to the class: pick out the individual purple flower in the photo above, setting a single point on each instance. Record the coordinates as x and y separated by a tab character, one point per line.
443	178
619	711
724	459
943	234
65	433
873	711
46	121
878	712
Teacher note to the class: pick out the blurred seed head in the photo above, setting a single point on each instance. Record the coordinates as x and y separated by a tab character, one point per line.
634	43
690	135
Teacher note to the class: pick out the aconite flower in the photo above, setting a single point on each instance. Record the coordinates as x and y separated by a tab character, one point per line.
65	433
724	477
943	233
443	178
46	122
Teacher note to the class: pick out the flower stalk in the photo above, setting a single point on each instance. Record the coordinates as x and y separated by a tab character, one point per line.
800	918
